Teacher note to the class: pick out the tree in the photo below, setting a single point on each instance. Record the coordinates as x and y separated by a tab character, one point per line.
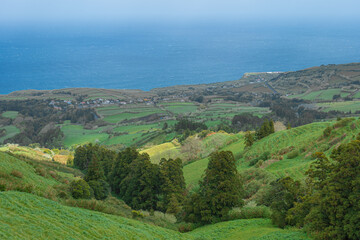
335	199
172	185
95	170
141	186
121	167
271	127
220	190
282	196
101	189
249	139
80	189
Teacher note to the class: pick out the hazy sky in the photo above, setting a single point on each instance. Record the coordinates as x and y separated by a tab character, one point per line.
184	10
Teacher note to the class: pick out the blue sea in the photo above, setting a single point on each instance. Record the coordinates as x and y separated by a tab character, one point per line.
146	56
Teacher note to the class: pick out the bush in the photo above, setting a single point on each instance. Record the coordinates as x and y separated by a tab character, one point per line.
62	194
40	171
2	187
136	214
293	154
249	212
17	173
264	156
327	131
343	122
185	227
80	189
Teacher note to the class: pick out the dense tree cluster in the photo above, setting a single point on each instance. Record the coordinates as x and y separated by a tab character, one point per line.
131	175
329	205
144	185
185	124
246	122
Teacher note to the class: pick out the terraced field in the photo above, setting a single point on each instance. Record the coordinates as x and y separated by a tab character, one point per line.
321	94
347	106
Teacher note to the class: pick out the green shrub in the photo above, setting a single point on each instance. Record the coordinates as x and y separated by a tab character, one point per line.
2	187
80	189
264	156
292	154
136	214
249	212
17	173
343	122
185	227
62	194
327	131
40	171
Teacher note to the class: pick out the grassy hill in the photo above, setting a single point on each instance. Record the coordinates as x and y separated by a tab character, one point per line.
26	216
284	153
318	78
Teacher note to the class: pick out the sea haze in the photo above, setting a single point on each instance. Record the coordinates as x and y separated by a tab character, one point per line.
138	56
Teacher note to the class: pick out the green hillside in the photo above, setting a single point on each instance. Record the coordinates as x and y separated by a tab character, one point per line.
25	216
289	152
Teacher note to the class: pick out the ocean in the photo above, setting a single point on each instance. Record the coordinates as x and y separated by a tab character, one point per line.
152	55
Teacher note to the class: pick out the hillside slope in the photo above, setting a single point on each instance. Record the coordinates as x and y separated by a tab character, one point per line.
25	216
323	77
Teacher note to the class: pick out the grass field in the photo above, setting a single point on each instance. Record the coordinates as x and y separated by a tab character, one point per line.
10	132
340	106
10	114
246	230
20	220
25	216
9	164
320	95
76	134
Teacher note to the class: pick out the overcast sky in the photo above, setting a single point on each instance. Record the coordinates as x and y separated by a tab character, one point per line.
183	10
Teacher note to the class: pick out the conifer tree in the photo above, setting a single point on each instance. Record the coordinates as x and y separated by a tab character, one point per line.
249	139
220	190
95	170
172	184
121	167
141	186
